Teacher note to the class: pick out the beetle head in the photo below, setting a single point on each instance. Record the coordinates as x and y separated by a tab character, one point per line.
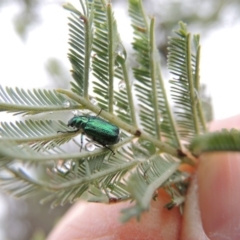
78	122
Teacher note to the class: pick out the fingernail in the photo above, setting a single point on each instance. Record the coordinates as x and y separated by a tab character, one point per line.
219	195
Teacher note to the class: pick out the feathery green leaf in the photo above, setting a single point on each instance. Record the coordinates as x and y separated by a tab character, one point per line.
184	65
225	140
38	134
155	112
36	101
149	176
81	48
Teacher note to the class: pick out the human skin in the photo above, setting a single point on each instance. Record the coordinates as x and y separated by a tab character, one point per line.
211	209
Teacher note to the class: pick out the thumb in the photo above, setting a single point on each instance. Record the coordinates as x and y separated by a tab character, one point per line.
219	195
212	206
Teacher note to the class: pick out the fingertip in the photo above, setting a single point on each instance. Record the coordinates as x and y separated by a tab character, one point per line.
101	221
219	195
192	222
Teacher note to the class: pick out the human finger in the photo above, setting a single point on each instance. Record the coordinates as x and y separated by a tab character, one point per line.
101	221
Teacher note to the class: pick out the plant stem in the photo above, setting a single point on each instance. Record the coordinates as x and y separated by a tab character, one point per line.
129	93
153	78
197	85
155	185
191	84
87	53
111	54
27	154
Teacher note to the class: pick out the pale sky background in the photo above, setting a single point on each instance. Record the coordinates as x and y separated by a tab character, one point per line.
22	64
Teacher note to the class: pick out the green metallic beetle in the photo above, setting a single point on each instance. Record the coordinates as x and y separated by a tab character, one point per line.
96	129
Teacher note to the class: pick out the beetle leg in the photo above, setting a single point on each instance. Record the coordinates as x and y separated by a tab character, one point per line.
99	112
81	142
109	149
106	147
73	131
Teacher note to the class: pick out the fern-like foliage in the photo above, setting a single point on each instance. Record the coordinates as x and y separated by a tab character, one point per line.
35	133
20	101
225	140
184	65
80	32
150	149
148	177
112	83
105	43
155	114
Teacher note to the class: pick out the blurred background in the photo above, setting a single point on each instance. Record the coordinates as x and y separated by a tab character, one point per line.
33	54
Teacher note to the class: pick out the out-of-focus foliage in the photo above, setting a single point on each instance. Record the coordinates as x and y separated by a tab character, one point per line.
206	103
27	219
27	16
57	73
